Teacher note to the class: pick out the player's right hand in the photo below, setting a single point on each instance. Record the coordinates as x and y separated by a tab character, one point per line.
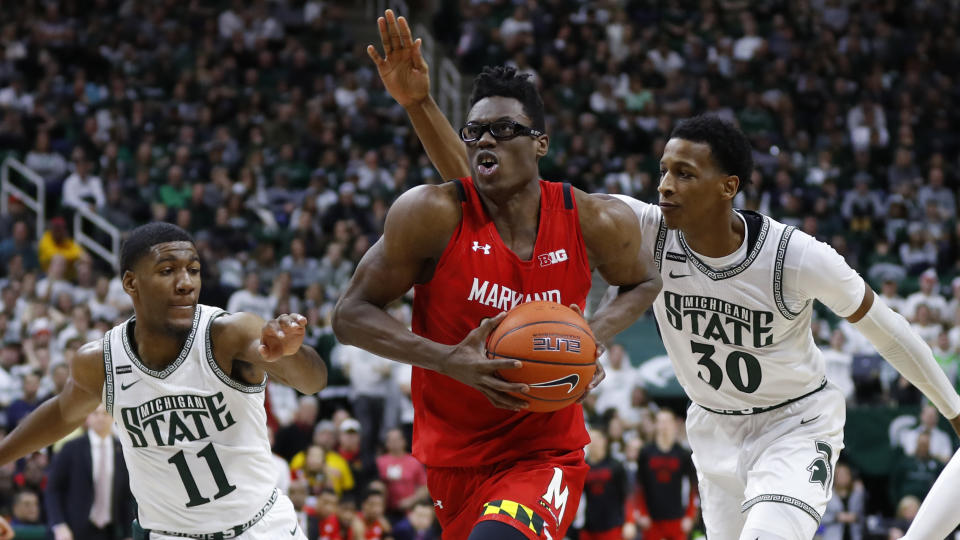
468	363
402	69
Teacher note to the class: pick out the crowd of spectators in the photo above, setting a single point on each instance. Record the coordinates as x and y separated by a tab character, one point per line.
261	127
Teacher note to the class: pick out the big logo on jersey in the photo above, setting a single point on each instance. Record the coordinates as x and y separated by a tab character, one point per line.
719	320
170	419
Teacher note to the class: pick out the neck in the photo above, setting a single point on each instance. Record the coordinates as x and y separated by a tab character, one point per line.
157	350
717	237
103	434
516	216
664	443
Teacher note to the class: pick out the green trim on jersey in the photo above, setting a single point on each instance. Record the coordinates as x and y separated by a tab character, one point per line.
108	372
732	271
135	358
226	379
232	532
784	499
778	276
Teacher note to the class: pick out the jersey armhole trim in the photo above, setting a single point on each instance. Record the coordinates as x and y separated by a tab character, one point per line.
778	276
108	372
461	192
658	248
225	378
567	196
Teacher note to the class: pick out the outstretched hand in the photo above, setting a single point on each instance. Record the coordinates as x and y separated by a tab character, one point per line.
599	374
402	68
281	337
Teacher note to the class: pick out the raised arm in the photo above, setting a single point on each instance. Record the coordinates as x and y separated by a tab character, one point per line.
418	227
65	412
406	76
612	235
246	341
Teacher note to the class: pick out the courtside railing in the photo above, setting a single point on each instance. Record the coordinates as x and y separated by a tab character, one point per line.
14	180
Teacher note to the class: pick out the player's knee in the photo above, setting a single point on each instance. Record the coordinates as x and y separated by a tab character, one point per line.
776	521
495	530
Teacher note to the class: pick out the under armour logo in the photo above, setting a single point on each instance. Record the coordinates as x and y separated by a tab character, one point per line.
438	503
485	247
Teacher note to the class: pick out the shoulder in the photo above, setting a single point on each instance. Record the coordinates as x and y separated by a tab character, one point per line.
605	213
235	328
87	368
422	220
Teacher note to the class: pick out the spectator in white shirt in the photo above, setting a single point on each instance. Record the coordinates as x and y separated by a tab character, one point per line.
82	189
745	48
929	296
14	96
940	446
924	325
249	298
623	377
888	292
839	364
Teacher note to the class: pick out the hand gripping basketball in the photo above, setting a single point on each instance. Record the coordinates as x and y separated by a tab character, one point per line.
282	336
468	363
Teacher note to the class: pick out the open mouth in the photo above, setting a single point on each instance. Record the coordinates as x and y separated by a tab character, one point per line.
487	163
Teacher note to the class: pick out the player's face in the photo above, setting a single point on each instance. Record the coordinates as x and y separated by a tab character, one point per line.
165	287
502	166
691	184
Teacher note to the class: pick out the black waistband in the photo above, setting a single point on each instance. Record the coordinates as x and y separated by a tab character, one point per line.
232	532
756	410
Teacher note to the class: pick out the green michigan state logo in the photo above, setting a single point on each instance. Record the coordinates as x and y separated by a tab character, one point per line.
821	471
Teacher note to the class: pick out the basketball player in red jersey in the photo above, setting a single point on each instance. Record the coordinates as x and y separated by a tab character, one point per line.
472	249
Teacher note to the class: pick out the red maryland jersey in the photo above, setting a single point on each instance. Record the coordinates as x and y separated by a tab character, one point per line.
477	277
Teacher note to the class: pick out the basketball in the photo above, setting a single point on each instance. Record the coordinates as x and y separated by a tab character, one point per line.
556	347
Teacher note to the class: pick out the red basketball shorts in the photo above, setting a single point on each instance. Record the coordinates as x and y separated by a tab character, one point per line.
538	495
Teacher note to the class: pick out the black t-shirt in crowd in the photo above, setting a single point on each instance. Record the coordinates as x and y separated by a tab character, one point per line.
660	475
606	492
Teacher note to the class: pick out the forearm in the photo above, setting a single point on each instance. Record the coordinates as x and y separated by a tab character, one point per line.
893	338
625	309
360	323
41	428
441	142
305	370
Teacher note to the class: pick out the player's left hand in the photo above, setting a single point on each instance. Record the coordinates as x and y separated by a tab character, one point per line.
6	531
282	336
599	374
955	422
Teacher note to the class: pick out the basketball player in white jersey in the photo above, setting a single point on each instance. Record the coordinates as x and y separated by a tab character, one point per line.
184	383
765	426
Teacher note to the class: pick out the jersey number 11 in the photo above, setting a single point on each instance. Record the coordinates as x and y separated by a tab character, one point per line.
209	453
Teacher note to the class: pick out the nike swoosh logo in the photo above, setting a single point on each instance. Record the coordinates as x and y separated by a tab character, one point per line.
572	380
675	276
802	421
294	531
125	386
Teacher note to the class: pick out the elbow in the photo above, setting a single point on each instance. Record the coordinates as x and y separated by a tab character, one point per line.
340	322
653	284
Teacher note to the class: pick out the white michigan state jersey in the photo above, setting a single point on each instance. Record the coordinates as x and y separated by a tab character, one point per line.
739	336
195	440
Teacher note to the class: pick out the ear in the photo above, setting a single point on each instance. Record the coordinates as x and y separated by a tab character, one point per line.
542	145
129	282
729	186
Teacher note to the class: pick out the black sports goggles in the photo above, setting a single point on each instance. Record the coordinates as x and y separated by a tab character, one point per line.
501	130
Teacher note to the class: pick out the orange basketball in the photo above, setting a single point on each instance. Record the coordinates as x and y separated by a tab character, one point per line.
556	347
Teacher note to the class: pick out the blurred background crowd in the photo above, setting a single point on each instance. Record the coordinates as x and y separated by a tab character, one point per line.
261	127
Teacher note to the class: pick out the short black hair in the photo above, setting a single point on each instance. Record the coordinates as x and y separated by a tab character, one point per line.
505	81
144	237
729	146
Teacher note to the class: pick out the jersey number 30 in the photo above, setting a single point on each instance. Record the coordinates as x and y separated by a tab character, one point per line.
209	454
714	373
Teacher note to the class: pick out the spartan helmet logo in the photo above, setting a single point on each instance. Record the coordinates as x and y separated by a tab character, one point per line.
821	471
